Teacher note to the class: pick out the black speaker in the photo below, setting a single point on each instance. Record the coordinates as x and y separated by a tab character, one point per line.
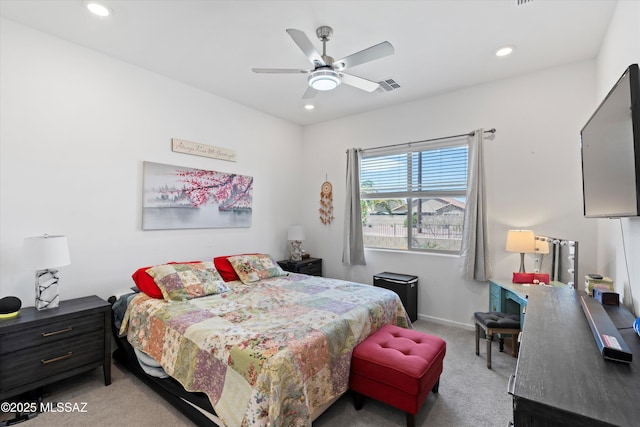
9	307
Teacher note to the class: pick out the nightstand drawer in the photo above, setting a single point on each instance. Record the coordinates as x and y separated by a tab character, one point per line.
312	269
51	359
51	332
310	266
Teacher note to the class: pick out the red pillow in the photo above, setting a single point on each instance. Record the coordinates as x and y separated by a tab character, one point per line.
530	277
522	278
146	284
225	268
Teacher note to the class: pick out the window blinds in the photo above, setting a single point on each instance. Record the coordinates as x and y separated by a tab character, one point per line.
415	173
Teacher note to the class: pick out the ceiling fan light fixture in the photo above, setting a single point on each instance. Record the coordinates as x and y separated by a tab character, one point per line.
324	79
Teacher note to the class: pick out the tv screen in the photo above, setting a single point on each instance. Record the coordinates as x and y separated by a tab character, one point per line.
610	147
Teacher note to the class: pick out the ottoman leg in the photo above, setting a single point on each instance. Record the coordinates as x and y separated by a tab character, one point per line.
489	337
358	400
411	420
436	386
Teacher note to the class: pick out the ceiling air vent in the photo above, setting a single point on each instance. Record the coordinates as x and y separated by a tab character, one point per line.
389	84
521	2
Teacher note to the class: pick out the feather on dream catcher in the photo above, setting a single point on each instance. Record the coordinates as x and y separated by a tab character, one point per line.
326	203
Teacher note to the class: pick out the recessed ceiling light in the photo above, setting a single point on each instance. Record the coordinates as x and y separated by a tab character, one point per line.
504	51
98	8
309	107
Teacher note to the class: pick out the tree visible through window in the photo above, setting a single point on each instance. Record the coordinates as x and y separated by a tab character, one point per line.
414	199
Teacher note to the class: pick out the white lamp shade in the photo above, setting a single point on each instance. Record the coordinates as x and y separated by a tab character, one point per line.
43	252
295	233
522	241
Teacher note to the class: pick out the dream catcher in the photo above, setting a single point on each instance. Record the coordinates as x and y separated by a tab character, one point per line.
326	203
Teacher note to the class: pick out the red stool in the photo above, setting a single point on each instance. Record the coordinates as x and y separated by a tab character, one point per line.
397	366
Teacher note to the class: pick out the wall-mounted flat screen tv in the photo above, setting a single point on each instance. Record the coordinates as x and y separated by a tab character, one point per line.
610	147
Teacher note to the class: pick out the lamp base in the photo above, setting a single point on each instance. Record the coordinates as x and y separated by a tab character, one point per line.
47	289
522	263
296	252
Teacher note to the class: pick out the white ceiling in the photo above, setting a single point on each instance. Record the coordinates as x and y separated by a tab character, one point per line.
440	45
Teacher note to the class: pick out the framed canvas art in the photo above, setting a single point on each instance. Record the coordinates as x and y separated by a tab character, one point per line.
176	197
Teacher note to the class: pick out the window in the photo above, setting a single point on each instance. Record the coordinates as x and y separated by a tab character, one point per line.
414	198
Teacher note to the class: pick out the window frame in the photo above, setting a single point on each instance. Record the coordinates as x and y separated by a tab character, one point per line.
410	195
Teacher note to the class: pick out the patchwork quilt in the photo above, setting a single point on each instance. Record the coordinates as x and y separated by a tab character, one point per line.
267	353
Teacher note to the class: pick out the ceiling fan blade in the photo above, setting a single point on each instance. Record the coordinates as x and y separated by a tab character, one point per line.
309	93
370	54
359	82
280	70
303	42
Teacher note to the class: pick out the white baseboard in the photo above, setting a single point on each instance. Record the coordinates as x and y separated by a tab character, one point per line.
441	321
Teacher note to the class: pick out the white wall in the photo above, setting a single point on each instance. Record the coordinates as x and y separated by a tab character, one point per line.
533	177
619	239
76	127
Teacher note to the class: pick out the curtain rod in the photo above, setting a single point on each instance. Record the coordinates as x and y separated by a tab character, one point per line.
492	130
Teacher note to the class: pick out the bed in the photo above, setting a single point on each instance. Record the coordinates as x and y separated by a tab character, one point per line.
271	348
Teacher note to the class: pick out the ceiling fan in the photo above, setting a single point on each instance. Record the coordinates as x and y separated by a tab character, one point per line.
328	73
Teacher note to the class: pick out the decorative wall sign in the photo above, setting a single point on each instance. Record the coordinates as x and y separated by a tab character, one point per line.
326	203
188	147
176	197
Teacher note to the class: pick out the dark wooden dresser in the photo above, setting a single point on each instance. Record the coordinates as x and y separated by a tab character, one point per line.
561	378
41	347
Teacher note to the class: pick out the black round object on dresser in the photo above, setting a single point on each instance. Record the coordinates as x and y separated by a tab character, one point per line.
9	307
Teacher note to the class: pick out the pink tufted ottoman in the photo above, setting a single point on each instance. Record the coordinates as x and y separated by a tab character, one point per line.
397	366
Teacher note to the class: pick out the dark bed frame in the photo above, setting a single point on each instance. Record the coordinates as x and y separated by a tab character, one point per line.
168	388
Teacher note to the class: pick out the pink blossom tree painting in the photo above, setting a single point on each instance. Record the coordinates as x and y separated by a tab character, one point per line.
179	197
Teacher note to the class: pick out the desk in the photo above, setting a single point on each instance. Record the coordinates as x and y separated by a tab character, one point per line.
561	378
508	297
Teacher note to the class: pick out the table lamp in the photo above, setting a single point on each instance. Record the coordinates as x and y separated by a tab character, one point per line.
522	241
295	236
44	254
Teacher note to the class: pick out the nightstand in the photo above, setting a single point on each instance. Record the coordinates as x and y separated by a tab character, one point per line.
41	347
310	266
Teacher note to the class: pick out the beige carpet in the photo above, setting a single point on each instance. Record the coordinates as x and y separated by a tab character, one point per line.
470	395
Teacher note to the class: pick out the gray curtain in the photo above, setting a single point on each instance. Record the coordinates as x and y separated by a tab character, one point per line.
475	260
353	248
